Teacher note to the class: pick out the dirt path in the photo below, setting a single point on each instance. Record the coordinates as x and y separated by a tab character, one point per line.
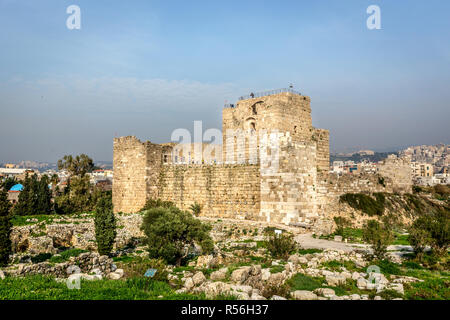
308	242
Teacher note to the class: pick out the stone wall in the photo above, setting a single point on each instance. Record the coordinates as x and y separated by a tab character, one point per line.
332	186
71	233
130	174
322	139
399	171
222	190
288	192
87	262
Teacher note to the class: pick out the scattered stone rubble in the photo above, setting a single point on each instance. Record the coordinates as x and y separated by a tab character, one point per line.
248	282
89	265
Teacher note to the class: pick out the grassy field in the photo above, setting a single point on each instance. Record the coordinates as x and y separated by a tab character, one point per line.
46	288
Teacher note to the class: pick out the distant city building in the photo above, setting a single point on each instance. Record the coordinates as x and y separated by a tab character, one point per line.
14	192
438	155
338	167
421	169
15	173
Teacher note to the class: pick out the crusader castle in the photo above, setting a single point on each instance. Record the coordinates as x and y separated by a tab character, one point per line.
239	178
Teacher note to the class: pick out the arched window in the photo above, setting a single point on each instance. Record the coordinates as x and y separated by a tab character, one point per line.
253	108
250	124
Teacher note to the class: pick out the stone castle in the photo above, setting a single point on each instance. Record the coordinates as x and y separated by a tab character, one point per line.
238	179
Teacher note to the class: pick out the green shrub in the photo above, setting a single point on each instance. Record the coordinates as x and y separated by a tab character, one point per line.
105	226
77	196
271	290
281	246
379	236
341	223
196	209
137	266
389	294
41	257
432	230
158	203
35	198
5	229
365	203
66	254
170	231
419	189
442	190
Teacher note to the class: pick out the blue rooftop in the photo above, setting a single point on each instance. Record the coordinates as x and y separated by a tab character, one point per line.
17	187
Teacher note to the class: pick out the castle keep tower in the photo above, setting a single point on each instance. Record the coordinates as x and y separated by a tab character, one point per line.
239	184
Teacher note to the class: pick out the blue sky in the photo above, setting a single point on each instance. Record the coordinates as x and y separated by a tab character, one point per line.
145	68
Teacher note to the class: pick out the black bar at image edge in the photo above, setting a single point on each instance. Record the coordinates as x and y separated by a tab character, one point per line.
221	309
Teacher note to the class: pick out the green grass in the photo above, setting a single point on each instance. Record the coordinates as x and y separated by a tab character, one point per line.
46	288
22	220
335	265
65	255
303	282
435	284
124	259
309	251
48	219
276	269
433	289
183	268
387	267
401	239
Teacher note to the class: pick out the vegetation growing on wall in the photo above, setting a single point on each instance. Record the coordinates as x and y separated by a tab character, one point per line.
372	206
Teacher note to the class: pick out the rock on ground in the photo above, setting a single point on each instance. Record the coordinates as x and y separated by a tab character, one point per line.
304	295
198	278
